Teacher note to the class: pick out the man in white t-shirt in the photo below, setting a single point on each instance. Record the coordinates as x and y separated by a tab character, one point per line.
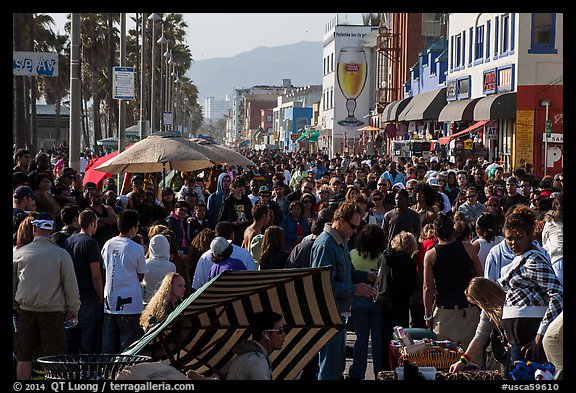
125	265
202	272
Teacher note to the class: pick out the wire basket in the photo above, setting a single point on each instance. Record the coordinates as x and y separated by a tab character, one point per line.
88	366
438	357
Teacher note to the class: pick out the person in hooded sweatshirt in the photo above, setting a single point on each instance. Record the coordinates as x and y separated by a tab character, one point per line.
216	199
396	281
251	360
158	266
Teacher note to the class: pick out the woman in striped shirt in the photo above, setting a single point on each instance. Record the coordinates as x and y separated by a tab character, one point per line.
534	295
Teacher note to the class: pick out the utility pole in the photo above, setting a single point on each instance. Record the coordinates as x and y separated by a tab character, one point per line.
142	77
75	103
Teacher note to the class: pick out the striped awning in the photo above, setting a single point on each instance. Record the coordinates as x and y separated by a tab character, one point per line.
201	333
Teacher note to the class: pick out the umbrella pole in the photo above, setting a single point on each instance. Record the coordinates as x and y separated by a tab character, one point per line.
163	175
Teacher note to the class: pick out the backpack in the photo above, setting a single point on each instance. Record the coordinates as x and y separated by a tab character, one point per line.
16	220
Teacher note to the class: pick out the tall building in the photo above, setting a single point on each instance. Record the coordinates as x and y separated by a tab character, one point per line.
215	109
347	83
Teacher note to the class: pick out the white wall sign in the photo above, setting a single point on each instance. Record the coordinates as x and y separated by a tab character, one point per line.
554	138
35	63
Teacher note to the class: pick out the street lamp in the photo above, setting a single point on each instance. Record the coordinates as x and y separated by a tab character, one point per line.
162	41
547	104
153	17
177	82
168	55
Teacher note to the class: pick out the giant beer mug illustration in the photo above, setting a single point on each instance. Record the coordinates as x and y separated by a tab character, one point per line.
351	75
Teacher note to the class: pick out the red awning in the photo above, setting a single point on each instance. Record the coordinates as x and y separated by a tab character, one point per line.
446	140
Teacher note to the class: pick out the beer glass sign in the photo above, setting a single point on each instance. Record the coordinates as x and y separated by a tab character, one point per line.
351	74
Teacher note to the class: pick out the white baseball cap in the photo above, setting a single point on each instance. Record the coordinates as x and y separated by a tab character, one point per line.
219	245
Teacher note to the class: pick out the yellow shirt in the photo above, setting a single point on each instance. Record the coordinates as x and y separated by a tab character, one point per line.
360	263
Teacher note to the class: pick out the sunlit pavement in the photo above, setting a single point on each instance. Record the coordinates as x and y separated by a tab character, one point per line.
350	340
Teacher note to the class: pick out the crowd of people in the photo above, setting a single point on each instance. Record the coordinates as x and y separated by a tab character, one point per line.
406	237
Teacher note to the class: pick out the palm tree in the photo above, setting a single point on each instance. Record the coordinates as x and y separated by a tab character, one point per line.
35	30
93	38
56	88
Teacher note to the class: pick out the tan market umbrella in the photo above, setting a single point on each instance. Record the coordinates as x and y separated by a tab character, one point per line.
223	155
369	128
158	153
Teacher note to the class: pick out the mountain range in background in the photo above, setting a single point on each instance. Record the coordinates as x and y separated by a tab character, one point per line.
300	62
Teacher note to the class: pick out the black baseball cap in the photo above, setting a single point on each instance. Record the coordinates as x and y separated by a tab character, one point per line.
24	191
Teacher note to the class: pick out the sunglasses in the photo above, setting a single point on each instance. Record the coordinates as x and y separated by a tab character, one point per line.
353	226
382	184
279	331
376	199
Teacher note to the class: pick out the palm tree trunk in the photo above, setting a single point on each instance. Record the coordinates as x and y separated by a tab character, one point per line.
96	110
84	115
19	124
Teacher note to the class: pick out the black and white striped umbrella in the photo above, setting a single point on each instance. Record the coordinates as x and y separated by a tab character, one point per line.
200	334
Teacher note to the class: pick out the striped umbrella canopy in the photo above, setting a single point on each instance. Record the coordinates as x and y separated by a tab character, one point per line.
201	332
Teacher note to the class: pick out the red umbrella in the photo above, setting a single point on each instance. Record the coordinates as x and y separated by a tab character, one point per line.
94	176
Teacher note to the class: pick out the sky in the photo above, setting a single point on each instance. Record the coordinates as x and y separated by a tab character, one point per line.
212	35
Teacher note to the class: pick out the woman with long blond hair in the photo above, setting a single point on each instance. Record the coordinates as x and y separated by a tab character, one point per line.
489	296
166	298
274	255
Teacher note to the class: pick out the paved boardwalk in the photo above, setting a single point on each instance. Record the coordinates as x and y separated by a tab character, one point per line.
350	340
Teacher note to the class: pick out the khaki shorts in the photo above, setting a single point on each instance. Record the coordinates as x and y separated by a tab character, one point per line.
40	330
458	325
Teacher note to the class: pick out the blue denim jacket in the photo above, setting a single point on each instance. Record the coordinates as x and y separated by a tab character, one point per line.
328	249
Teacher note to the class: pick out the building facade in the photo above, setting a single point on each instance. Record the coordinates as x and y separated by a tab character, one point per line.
509	68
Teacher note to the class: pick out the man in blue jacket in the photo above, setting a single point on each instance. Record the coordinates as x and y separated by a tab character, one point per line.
330	248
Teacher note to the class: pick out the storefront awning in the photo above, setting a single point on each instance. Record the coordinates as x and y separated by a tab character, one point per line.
393	109
497	106
446	140
458	110
424	106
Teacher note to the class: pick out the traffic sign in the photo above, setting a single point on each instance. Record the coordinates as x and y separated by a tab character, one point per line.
123	83
548	128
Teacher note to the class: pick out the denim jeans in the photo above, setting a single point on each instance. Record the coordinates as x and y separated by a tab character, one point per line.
367	317
87	335
333	356
119	331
